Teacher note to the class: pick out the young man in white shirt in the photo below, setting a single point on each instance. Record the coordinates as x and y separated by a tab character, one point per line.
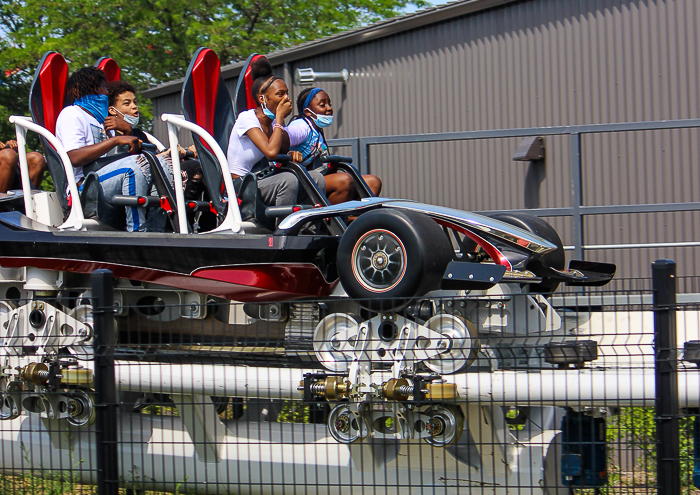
80	128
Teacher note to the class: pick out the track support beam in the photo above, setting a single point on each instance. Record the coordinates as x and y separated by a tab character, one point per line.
665	347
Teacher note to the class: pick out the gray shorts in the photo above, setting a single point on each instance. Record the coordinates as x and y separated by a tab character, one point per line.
283	188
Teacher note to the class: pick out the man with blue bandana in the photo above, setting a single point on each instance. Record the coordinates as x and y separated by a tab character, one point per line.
80	129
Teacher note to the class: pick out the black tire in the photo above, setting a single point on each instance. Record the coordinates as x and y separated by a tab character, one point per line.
554	259
407	251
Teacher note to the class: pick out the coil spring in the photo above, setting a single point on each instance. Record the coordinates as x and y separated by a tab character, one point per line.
43	374
405	390
318	388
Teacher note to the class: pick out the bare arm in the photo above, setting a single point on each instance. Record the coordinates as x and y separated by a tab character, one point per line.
113	123
88	154
271	147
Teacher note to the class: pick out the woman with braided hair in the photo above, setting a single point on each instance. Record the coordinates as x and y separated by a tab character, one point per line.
306	137
258	133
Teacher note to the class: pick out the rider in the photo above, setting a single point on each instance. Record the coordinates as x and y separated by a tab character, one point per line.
80	128
306	136
123	106
9	167
258	133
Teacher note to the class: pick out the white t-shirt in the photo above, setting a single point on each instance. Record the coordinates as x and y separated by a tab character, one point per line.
298	131
242	154
75	129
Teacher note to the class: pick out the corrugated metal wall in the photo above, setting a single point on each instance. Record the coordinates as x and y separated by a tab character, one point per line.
530	64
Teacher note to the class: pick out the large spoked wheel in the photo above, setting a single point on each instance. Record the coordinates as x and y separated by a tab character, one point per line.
388	257
554	259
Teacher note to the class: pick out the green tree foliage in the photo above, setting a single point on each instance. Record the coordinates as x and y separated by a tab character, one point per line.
13	101
153	40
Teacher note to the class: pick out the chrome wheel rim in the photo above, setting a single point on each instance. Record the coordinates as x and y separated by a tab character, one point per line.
379	261
458	346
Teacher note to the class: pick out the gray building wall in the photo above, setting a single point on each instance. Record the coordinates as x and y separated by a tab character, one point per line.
530	64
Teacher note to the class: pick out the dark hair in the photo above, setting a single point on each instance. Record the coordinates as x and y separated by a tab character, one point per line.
117	88
261	72
86	81
300	100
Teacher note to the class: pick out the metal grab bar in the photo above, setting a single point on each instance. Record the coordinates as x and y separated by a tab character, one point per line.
232	221
23	124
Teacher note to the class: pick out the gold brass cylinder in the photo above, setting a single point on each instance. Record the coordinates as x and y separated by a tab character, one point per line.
82	377
441	391
36	373
392	389
335	388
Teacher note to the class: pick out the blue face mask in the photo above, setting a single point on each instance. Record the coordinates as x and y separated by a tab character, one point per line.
267	111
97	105
130	119
321	120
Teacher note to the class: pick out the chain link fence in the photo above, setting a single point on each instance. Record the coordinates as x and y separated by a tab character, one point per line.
137	389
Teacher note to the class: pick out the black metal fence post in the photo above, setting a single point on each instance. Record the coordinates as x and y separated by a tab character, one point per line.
105	387
666	366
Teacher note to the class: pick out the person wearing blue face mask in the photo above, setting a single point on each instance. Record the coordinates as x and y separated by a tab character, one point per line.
259	133
123	108
307	138
80	128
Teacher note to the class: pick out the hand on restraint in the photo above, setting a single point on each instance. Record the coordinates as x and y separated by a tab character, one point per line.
284	109
296	156
113	123
132	142
12	144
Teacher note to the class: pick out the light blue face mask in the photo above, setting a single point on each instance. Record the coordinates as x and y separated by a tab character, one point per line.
130	119
266	110
97	105
321	120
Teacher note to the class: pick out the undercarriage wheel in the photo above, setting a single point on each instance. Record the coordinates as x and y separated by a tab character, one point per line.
388	257
80	409
445	426
459	345
554	259
346	426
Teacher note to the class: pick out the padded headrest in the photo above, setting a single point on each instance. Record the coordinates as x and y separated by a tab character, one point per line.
243	100
48	90
206	77
248	79
110	67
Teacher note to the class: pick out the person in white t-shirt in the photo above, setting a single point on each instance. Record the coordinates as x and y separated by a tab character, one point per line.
80	129
258	133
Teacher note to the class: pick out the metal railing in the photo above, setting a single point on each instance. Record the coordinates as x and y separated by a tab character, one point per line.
360	148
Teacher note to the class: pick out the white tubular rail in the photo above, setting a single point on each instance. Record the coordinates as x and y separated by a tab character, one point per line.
232	221
21	133
22	125
154	140
218	380
572	387
177	174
